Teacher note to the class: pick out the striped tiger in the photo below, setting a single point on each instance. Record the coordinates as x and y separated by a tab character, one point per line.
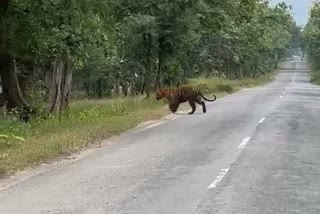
176	96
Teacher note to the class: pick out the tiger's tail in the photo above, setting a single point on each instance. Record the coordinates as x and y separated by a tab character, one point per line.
215	97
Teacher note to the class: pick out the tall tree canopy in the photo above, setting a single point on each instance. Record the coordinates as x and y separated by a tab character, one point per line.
311	36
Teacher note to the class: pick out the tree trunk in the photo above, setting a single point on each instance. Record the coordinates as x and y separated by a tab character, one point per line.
1	94
278	57
125	91
99	88
4	4
124	88
116	87
142	89
87	89
130	89
10	83
26	76
148	63
159	77
58	81
8	70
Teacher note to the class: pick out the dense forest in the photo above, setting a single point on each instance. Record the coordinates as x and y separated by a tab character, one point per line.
311	40
53	50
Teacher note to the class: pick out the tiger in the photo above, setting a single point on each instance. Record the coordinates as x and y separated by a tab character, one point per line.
176	96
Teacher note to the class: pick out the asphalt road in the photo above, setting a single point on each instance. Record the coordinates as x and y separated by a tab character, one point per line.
254	152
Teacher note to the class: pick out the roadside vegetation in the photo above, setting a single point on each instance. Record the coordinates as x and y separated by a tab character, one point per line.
315	77
77	72
311	41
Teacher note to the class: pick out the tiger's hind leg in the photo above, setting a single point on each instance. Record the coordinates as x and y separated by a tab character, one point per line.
193	106
202	103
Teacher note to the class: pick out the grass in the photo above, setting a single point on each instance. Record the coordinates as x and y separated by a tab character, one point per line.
315	77
87	121
229	86
314	73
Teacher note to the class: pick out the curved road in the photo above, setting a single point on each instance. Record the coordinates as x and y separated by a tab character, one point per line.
254	152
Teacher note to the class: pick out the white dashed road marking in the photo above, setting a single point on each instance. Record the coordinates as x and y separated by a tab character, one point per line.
219	178
262	120
244	142
153	125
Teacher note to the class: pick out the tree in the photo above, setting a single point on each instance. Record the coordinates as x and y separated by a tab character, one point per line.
57	36
8	69
311	36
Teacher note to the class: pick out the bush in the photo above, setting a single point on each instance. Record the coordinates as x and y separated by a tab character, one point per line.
315	77
224	88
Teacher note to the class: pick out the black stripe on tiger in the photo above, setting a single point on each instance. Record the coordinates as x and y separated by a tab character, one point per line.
176	96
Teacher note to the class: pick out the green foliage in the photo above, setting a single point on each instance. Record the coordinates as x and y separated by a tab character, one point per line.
145	44
224	87
311	36
56	29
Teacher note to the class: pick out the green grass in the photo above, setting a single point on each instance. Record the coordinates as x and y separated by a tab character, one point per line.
87	121
229	86
315	77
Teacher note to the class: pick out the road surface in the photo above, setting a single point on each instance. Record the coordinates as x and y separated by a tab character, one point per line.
254	152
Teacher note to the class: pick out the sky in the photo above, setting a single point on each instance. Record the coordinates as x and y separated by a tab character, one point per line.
300	9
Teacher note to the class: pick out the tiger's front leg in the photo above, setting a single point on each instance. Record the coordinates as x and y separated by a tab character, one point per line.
173	105
193	106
